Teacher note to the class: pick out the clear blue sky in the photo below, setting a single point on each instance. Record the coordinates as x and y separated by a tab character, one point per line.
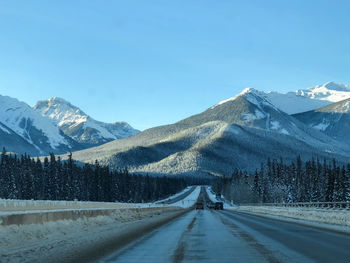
155	62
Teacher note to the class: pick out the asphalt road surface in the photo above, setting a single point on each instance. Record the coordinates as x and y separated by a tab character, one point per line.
225	236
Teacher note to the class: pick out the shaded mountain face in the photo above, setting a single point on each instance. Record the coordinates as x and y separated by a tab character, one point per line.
237	133
38	135
333	120
79	126
15	143
308	99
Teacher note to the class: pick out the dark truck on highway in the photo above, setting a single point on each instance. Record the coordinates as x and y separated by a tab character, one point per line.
199	205
219	206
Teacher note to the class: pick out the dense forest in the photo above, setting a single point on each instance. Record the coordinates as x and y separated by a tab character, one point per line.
277	182
26	178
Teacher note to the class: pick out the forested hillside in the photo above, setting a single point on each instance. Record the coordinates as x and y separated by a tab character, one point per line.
26	178
277	182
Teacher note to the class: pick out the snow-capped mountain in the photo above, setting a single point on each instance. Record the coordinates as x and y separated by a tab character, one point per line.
333	120
38	131
240	132
308	99
79	126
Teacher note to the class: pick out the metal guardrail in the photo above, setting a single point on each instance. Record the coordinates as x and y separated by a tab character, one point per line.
338	205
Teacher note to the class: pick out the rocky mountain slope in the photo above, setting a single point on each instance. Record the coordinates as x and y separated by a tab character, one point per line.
239	132
81	127
333	120
25	129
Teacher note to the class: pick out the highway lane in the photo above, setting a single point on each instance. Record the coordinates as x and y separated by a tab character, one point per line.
311	244
199	236
226	236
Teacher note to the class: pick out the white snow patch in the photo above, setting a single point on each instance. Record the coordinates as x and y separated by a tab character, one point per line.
321	126
275	125
190	200
4	129
174	196
258	115
284	131
322	215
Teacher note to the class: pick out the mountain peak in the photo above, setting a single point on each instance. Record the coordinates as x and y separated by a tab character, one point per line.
336	86
80	126
247	92
58	100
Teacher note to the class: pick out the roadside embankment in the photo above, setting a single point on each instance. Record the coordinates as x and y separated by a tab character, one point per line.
327	218
85	238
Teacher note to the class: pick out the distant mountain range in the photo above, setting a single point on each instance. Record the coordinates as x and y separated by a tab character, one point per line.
239	132
53	126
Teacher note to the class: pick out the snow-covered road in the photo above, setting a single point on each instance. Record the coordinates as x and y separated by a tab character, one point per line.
227	236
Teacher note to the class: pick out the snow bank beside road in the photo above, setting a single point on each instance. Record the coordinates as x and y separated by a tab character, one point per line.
7	205
211	195
328	216
65	240
174	196
189	200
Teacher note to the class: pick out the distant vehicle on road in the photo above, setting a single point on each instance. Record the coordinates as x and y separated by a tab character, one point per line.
199	205
211	205
219	206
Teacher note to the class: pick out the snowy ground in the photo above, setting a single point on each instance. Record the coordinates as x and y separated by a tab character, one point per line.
14	206
38	242
328	216
189	200
174	196
31	205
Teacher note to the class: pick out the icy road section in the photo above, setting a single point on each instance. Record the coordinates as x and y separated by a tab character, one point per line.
189	200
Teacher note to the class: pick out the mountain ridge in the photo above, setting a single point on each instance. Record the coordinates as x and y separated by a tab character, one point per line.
247	127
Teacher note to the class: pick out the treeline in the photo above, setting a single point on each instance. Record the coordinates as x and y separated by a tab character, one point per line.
27	178
277	182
